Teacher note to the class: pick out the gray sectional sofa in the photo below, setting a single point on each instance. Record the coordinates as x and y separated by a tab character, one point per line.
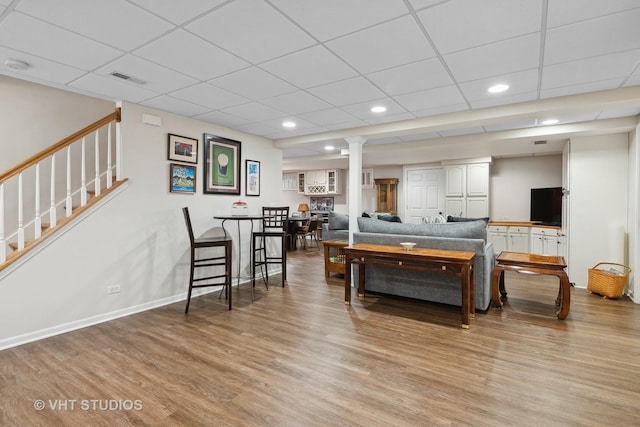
460	236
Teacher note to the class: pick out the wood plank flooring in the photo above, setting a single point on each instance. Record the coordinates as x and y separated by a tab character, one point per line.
297	356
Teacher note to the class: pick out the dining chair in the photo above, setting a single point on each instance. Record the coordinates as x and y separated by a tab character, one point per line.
274	227
309	229
199	260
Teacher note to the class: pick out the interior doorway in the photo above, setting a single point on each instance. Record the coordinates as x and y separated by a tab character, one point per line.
424	195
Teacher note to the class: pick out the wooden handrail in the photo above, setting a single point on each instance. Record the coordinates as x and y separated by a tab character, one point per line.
115	116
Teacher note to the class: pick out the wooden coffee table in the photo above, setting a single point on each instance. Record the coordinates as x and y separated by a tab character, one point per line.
535	264
334	256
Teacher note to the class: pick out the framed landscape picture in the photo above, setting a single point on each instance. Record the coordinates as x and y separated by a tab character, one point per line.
182	178
252	179
183	149
221	165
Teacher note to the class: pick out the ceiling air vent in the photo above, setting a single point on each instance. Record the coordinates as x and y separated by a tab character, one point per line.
542	142
128	78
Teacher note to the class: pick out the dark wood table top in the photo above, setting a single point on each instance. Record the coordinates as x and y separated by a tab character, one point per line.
532	260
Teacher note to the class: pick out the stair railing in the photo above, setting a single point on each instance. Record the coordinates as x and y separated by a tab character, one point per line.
21	204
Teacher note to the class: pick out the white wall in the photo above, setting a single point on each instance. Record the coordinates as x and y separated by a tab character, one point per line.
634	211
599	198
511	181
138	240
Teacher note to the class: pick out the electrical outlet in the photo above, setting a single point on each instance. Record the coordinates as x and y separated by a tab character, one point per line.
113	289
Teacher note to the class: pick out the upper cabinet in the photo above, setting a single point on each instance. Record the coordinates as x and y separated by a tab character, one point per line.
320	182
290	181
467	189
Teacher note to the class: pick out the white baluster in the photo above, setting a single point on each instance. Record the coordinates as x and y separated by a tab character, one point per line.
38	221
69	202
20	214
109	170
83	175
53	218
96	183
118	153
3	241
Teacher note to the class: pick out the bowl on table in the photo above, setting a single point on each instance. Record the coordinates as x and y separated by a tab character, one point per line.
408	246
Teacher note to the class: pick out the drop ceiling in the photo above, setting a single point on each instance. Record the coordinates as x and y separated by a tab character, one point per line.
250	65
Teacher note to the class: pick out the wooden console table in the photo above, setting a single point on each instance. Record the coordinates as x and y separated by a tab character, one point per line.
455	263
534	264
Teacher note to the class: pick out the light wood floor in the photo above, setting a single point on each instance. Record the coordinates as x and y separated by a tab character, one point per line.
297	356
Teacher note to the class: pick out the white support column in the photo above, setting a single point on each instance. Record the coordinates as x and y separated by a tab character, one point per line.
355	184
37	224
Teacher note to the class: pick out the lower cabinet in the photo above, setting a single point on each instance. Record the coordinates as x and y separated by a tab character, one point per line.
535	240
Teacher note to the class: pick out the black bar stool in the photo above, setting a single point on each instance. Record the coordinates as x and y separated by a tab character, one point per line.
274	226
224	260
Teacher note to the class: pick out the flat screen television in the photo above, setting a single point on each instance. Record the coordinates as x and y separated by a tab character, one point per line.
546	206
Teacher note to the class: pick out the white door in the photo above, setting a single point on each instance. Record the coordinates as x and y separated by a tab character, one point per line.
424	193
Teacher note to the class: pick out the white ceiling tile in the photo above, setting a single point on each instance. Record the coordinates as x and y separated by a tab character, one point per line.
619	113
257	129
310	67
431	98
420	75
608	34
347	125
253	83
441	109
159	79
579	88
347	92
633	80
296	103
421	4
209	96
201	60
503	100
333	18
176	106
301	124
113	89
222	119
21	32
254	112
372	49
39	68
362	110
104	20
178	12
462	24
252	30
565	12
2	9
592	69
328	117
5	2
521	82
518	54
390	118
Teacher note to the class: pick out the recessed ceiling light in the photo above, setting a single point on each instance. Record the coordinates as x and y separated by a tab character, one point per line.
498	88
289	124
16	64
550	122
378	109
329	147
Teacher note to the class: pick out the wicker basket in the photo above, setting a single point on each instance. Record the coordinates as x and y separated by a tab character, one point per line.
608	279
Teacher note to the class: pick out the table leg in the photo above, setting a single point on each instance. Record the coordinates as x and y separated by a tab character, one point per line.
347	279
472	291
466	287
361	280
565	295
497	286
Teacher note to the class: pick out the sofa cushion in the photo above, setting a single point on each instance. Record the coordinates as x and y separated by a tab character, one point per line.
468	229
465	219
338	221
390	218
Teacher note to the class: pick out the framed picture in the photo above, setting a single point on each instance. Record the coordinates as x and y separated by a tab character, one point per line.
182	178
183	149
221	165
252	178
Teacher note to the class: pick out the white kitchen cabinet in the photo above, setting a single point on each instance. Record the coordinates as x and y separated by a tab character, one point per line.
301	182
322	181
477	180
518	239
290	181
497	234
333	181
467	190
547	241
